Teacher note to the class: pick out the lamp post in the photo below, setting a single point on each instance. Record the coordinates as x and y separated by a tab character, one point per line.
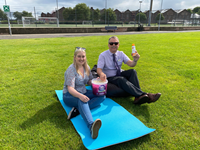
140	1
150	10
57	13
105	10
160	15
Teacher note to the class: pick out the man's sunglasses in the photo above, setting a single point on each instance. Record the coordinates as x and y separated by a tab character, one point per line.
116	43
77	48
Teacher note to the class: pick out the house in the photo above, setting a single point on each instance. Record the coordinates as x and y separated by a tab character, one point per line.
154	14
55	14
127	16
169	15
183	14
118	14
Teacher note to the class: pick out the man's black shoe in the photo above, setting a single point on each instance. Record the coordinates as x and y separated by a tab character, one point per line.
141	100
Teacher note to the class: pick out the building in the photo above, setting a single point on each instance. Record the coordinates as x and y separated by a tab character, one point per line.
127	16
169	15
154	14
183	14
55	14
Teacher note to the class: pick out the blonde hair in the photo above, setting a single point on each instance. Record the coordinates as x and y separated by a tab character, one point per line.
85	65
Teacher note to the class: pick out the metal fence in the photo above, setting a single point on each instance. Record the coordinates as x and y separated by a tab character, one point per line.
53	22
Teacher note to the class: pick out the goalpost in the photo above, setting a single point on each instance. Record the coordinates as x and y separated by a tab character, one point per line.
87	22
177	21
49	20
19	22
132	22
28	21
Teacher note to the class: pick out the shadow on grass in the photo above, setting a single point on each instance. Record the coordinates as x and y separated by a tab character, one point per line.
133	144
53	112
141	111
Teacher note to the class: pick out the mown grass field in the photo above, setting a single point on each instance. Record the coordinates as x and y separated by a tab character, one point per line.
32	69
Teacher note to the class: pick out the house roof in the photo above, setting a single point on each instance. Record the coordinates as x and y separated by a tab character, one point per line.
164	10
179	10
154	11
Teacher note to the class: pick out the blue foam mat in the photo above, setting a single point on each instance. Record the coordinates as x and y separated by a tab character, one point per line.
118	125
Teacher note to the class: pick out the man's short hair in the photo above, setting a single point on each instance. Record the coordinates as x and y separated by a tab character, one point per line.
113	37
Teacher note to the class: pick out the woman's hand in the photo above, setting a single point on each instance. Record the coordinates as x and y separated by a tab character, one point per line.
84	98
77	94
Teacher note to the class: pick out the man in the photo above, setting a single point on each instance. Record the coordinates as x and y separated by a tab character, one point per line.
109	66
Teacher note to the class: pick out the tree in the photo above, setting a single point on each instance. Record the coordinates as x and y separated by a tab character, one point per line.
79	12
142	16
17	15
196	9
3	16
95	14
110	15
158	17
82	11
69	14
26	14
198	12
189	10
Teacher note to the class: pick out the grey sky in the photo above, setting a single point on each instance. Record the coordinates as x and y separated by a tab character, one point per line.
50	5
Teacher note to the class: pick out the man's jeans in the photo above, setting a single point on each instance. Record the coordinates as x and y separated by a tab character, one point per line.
84	108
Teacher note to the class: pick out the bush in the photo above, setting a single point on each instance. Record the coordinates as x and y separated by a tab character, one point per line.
39	22
4	22
70	22
52	22
13	22
110	22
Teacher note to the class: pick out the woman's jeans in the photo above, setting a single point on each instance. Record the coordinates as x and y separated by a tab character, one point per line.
84	107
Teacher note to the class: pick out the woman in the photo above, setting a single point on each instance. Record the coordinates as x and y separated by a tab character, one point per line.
77	96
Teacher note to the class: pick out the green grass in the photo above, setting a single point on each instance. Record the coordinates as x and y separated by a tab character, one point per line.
31	69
